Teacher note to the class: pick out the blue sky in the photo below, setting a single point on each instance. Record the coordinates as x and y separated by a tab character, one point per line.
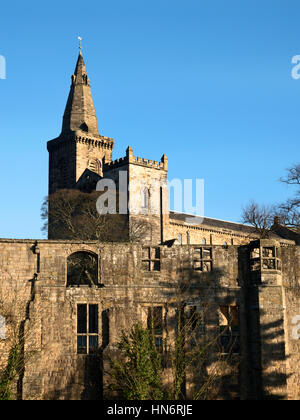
208	83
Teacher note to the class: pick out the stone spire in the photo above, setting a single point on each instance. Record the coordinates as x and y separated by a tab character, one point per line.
80	114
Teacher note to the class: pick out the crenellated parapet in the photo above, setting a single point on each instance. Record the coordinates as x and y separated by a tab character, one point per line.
134	160
100	142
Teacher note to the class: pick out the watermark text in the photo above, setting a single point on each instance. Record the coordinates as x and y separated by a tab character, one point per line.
2	67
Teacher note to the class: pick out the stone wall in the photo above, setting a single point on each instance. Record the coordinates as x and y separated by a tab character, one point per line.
73	156
202	233
34	286
148	198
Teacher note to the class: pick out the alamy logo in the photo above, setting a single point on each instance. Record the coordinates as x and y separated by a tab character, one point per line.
141	197
2	328
296	68
296	329
2	67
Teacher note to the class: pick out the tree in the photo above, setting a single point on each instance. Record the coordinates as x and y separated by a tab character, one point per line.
136	372
138	369
289	211
73	215
260	217
11	372
186	361
198	358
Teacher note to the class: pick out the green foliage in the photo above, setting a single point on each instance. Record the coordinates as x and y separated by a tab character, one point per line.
10	373
179	362
136	373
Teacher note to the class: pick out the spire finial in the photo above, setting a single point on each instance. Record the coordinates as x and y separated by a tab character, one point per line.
80	44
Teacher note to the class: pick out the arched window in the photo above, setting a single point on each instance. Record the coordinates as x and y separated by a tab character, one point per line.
203	241
146	194
179	238
82	269
145	198
94	165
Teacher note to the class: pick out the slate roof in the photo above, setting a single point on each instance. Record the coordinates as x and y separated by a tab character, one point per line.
223	225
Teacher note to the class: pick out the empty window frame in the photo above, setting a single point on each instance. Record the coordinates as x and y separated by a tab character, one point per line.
194	320
229	329
202	259
82	269
151	259
269	258
255	261
264	258
155	325
87	329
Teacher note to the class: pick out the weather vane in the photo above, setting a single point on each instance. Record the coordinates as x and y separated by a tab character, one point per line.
80	44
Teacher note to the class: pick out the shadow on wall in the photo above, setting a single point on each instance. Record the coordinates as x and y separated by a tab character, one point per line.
92	379
88	379
204	370
215	375
265	376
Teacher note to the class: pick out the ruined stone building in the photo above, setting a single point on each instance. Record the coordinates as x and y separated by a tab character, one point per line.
65	322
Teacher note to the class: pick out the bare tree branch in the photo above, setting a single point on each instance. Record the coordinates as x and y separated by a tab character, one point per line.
260	217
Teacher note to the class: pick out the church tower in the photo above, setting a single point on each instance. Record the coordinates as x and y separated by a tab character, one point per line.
80	157
76	157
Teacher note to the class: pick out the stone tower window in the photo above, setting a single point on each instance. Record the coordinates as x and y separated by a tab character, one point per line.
145	200
84	127
82	269
179	239
87	329
94	165
264	258
269	258
203	241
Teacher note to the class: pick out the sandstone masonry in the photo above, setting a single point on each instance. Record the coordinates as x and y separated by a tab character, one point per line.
228	266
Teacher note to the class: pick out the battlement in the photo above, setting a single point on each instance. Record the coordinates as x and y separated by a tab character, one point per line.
134	160
101	142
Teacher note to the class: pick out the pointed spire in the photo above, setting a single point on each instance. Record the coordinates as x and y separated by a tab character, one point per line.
80	114
80	44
